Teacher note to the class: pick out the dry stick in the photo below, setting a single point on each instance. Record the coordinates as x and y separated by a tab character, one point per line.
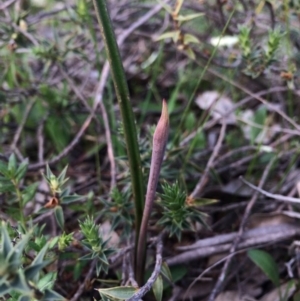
113	260
220	9
238	238
6	4
98	96
277	197
131	280
25	33
40	139
146	288
110	151
22	124
210	163
83	284
232	153
160	138
222	243
214	265
75	89
124	269
267	128
238	163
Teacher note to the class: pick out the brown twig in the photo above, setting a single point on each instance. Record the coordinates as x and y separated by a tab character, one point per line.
22	124
238	238
6	4
40	139
75	89
220	9
131	280
210	162
277	197
158	262
232	153
213	266
83	284
25	33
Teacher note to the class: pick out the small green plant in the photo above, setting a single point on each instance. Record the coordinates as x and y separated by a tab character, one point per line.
183	40
97	247
244	40
270	268
59	195
119	211
64	241
178	213
257	58
11	175
24	281
273	44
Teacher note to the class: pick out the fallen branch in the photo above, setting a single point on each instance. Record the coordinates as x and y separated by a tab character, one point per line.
146	288
277	197
222	243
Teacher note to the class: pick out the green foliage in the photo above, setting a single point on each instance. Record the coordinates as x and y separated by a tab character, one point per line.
184	40
258	57
266	263
33	65
55	183
97	247
24	283
60	195
158	288
119	211
117	293
244	40
178	215
274	38
64	241
260	117
11	174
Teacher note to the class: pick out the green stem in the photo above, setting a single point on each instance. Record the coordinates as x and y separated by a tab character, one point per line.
122	92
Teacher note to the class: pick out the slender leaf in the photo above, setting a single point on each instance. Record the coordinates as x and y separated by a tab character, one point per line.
21	170
71	199
29	193
266	263
62	175
59	215
118	293
32	272
19	284
174	35
165	271
158	288
50	295
188	17
3	169
5	241
12	164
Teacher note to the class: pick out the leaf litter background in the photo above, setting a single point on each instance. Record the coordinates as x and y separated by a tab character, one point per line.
58	106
